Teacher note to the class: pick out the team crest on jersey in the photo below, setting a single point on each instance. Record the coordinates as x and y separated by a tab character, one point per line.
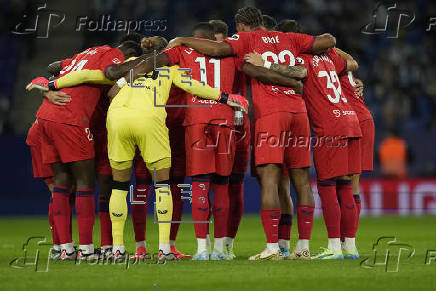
116	61
235	37
299	60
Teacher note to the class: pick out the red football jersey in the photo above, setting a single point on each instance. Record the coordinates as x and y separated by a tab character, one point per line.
241	80
357	102
330	113
98	118
176	114
276	47
216	72
33	134
85	97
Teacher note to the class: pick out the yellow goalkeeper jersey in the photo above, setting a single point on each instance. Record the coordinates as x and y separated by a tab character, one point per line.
150	93
136	117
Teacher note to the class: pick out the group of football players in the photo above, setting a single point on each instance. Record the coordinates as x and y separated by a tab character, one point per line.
178	110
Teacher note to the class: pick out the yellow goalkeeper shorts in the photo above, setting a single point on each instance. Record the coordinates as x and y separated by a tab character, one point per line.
128	128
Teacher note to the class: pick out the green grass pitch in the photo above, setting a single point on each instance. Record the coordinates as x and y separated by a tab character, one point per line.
241	274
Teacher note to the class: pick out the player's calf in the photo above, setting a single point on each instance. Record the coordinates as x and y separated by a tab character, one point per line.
200	213
220	186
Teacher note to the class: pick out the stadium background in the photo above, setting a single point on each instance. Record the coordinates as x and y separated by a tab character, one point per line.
397	73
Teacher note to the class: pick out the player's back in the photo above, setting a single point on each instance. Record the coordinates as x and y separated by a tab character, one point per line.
356	101
85	97
149	94
218	73
275	47
329	110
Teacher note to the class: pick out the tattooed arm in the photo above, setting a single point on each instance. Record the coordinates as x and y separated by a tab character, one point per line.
296	72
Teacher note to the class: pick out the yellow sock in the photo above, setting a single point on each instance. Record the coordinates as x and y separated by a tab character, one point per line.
164	209
118	213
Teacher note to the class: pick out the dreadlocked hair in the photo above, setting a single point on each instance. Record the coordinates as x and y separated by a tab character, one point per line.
250	16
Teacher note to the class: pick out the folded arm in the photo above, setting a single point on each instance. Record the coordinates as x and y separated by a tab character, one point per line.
80	77
115	72
322	43
204	46
184	82
147	65
268	76
352	65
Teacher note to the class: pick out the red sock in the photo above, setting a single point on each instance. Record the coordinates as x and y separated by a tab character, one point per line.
54	235
330	207
200	205
72	201
176	193
285	225
62	213
348	208
358	208
220	209
270	223
105	223
139	208
236	208
85	210
305	221
209	216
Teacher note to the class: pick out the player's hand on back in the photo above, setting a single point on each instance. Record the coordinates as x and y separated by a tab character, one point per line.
359	87
57	97
254	58
174	42
299	87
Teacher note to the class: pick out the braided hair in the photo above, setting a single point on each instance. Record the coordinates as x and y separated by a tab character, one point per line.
250	16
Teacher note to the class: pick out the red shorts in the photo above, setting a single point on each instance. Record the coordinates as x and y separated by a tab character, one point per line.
284	169
209	149
178	154
337	159
40	170
242	153
141	171
102	165
367	144
65	143
282	138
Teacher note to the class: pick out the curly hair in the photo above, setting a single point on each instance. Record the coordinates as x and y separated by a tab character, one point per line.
250	16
